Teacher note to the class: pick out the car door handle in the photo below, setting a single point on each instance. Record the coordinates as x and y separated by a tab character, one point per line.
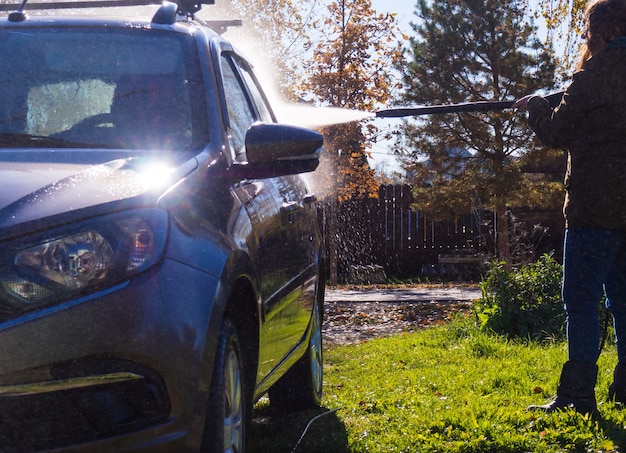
288	210
310	198
290	206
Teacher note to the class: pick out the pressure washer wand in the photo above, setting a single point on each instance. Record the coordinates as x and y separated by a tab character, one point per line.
480	106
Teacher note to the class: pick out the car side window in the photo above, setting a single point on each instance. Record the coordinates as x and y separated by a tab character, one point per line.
257	95
240	111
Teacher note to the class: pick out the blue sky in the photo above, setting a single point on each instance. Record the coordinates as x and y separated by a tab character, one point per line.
404	10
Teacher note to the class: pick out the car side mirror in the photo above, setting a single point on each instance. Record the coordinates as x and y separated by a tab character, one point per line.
276	150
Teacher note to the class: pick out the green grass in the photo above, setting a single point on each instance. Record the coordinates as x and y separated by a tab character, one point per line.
446	389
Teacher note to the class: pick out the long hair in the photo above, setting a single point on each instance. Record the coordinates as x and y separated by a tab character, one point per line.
605	20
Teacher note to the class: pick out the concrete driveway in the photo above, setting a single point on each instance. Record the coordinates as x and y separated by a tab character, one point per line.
404	295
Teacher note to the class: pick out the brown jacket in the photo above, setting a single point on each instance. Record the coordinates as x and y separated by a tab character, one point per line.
590	123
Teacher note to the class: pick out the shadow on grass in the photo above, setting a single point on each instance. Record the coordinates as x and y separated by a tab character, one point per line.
280	433
615	432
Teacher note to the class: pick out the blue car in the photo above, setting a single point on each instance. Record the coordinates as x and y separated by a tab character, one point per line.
160	258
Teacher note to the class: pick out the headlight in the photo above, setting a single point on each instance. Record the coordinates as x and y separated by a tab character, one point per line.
75	260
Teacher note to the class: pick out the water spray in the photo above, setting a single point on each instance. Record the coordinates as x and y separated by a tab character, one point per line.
307	115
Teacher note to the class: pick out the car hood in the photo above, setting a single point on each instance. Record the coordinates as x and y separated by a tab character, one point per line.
38	185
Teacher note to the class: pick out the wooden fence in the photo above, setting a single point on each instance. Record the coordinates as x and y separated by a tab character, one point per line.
388	233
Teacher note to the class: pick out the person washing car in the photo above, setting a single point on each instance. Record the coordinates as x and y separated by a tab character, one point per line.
590	123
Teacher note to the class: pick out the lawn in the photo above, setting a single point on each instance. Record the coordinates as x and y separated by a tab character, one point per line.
450	388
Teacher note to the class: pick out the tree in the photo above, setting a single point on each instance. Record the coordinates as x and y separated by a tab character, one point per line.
472	50
353	50
337	55
348	68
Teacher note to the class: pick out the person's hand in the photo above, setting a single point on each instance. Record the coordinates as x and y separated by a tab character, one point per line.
522	103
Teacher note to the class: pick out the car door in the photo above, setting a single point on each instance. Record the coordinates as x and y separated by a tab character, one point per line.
271	205
298	223
299	220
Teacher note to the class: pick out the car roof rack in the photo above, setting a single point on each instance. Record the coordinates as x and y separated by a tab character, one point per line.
165	15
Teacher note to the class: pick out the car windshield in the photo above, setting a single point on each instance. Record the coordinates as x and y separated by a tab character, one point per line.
102	87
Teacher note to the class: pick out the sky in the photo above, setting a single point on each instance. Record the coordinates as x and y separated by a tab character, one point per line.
380	153
403	8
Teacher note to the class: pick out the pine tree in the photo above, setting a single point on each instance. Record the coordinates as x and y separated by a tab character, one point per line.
473	50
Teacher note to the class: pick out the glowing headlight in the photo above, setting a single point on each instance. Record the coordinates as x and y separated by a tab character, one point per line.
85	257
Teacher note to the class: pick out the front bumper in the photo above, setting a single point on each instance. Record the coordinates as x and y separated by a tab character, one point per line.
120	370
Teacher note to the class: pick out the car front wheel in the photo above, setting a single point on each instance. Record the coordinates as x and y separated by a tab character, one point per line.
301	387
226	417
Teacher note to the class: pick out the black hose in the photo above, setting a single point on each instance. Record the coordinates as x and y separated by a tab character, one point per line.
329	412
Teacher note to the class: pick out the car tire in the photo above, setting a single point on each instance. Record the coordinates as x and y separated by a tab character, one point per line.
225	428
301	387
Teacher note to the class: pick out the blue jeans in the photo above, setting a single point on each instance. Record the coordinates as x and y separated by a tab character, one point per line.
594	261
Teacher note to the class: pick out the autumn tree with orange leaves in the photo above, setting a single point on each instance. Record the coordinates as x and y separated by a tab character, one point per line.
353	49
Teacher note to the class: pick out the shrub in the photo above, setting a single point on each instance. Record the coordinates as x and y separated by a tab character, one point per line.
523	304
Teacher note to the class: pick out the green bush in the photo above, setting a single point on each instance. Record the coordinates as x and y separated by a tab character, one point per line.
523	304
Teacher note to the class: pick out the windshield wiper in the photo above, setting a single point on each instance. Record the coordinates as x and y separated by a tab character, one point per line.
16	140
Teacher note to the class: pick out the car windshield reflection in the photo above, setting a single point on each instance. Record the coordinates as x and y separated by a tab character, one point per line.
96	89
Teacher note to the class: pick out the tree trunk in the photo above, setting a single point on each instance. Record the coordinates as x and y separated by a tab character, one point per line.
502	233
